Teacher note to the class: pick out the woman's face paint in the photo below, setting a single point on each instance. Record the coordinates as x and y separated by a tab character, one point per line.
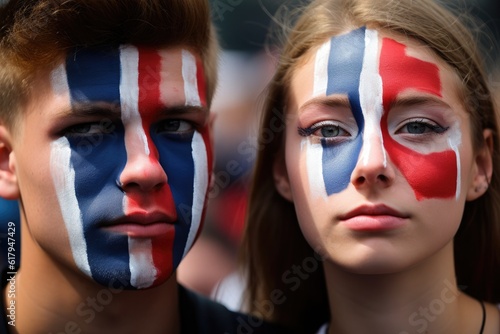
132	161
370	75
377	150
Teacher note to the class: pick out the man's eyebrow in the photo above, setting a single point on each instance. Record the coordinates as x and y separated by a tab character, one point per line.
410	101
184	109
84	110
328	101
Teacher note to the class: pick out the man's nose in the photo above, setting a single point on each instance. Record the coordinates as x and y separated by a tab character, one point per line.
143	170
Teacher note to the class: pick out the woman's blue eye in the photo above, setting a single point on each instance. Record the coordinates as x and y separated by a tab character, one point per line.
420	127
416	128
330	131
325	129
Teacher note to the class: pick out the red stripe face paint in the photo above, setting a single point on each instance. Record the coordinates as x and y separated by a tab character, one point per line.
432	175
200	79
150	65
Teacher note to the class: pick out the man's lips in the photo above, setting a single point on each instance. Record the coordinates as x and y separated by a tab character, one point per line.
377	217
144	219
142	225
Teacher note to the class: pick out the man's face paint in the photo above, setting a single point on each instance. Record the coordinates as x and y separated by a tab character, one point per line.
95	165
372	76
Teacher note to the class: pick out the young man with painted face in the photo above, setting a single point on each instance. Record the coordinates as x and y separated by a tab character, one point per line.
375	204
105	141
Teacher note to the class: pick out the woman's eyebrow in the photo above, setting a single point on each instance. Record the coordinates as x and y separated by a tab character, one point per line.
411	101
332	102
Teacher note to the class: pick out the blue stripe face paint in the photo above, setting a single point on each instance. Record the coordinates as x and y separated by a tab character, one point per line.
94	76
97	162
344	70
175	155
89	163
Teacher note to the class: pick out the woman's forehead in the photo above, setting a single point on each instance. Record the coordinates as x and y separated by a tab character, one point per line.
341	63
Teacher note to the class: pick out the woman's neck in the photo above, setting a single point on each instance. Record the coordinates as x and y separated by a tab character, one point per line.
51	298
422	299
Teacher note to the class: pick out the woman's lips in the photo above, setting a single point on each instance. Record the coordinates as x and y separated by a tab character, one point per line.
373	218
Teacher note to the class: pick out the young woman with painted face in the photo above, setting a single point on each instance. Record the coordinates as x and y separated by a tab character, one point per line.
105	142
375	205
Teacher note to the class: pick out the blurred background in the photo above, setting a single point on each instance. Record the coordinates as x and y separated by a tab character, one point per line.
246	66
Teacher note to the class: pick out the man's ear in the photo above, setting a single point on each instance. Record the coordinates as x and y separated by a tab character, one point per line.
281	180
8	181
483	168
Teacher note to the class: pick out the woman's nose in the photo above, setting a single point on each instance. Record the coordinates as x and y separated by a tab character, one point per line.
373	167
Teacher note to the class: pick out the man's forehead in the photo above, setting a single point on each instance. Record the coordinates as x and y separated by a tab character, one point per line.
101	65
170	76
110	51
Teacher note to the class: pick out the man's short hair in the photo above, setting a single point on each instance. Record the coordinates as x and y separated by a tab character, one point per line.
37	34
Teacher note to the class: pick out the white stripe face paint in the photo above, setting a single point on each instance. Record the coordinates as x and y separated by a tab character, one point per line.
370	95
191	91
189	71
143	272
129	94
200	187
454	141
314	152
321	70
63	176
59	82
314	158
142	268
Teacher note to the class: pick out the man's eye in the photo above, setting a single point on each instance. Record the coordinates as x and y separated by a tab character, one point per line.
80	128
85	129
174	126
